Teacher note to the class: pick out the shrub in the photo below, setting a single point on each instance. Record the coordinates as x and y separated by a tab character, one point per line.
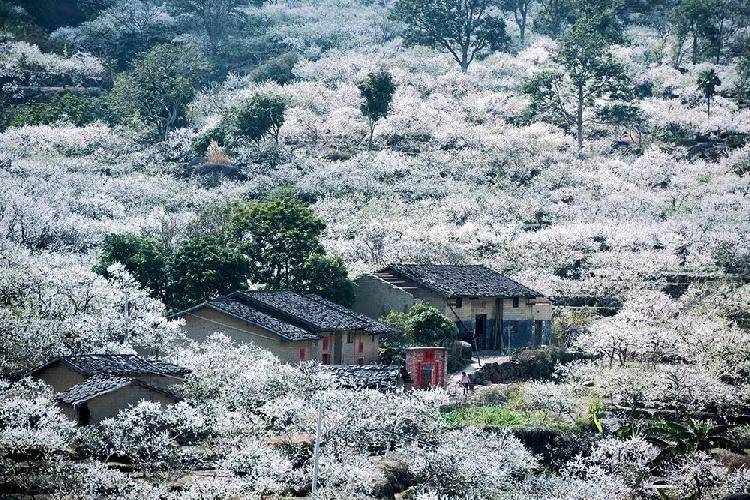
255	118
278	69
77	109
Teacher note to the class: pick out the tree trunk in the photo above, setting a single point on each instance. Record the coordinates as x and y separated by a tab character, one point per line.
695	49
579	121
522	29
372	130
719	38
464	61
709	105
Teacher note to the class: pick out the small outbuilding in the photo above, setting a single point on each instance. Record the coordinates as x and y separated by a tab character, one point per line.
93	387
427	367
102	397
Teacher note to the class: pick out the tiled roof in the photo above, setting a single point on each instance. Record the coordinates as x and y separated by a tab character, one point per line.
116	365
245	311
291	315
102	384
313	311
376	376
462	280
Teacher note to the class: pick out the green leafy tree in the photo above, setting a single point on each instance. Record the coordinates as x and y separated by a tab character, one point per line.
708	80
215	18
423	324
159	87
520	10
556	16
552	17
206	267
278	237
377	91
326	276
586	76
706	23
462	28
255	118
142	257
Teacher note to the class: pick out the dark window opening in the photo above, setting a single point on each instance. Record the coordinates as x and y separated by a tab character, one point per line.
350	338
326	358
515	301
459	302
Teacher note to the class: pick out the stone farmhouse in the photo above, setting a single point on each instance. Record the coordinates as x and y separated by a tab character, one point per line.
492	311
294	326
97	386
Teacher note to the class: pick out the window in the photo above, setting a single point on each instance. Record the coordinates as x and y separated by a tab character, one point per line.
326	358
350	338
302	354
459	302
361	347
361	361
429	355
515	301
325	343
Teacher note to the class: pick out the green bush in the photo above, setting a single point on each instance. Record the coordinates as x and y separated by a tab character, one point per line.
277	70
496	416
77	109
423	324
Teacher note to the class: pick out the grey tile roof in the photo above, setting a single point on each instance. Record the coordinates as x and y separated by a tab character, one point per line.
292	315
115	364
241	309
375	376
462	280
102	384
312	311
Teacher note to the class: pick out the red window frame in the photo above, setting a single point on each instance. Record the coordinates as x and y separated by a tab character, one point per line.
325	343
302	354
361	347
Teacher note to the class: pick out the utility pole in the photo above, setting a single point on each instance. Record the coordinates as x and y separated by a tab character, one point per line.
316	453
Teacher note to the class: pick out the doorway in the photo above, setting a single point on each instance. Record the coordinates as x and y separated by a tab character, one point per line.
426	372
480	331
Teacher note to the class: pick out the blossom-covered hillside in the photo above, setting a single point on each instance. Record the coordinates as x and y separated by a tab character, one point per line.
153	129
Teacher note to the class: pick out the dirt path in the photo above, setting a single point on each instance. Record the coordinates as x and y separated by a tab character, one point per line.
454	379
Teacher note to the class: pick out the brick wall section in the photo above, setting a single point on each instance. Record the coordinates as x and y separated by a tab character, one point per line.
418	357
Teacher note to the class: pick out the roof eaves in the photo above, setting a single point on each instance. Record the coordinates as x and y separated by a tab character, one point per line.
311	336
270	309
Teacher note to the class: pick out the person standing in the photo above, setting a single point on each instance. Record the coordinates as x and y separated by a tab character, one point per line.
465	381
